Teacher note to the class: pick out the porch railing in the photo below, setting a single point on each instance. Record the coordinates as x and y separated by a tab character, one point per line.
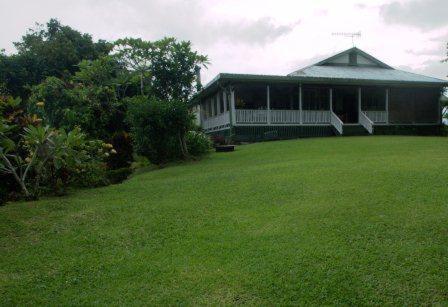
216	122
336	122
316	116
285	116
246	116
366	122
377	116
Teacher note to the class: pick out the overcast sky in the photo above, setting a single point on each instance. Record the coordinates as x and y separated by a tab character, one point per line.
255	36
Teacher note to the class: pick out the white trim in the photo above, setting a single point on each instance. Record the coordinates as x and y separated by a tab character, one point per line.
224	99
387	106
300	103
268	103
331	99
359	104
264	124
232	106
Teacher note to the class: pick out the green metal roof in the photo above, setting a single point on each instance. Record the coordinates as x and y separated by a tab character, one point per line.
365	73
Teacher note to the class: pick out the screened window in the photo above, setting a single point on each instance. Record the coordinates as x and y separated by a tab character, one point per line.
284	97
315	98
407	106
251	97
373	99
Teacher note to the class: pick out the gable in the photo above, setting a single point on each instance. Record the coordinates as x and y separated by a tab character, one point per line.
353	57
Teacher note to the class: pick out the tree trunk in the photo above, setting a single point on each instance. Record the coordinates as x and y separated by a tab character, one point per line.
16	177
141	83
183	145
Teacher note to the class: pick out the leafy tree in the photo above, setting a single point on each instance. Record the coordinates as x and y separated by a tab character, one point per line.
166	68
90	99
135	54
174	68
47	50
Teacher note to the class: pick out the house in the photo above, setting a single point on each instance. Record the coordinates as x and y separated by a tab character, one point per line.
349	93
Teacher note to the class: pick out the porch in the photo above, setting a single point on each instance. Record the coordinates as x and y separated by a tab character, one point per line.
295	105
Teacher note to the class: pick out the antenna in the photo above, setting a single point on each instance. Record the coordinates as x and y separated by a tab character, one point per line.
352	35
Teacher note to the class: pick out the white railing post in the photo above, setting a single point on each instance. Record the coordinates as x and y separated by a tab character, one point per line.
268	102
331	99
232	105
359	104
387	106
300	103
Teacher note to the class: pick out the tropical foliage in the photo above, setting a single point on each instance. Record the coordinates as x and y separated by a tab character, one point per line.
85	108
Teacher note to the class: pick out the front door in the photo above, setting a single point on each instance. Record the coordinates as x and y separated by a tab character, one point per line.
345	104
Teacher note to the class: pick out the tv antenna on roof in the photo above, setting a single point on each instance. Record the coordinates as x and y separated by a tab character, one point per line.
352	35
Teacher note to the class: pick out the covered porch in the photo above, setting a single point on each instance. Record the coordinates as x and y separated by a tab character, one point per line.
295	105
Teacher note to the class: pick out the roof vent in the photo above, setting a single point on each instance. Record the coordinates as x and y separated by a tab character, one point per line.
353	58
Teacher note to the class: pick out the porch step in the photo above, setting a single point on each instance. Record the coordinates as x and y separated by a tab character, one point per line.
352	130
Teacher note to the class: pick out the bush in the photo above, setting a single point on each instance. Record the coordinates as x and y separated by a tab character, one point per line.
123	150
158	128
198	143
118	175
218	140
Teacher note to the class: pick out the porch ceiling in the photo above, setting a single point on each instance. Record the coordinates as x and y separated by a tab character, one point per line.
369	76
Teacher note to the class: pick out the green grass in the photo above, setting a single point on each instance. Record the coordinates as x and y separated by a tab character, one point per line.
360	220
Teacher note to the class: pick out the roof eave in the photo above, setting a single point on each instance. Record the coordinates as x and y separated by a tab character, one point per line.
221	80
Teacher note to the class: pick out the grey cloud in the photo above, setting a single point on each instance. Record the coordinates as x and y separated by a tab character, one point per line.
432	68
423	14
429	52
189	20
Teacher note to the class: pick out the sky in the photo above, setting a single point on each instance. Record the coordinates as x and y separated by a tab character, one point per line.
255	36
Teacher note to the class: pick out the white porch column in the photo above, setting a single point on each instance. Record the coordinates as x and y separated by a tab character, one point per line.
218	103
268	102
232	106
300	103
331	99
213	106
224	100
387	106
359	102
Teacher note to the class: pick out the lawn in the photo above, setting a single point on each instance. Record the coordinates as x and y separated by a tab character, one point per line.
342	220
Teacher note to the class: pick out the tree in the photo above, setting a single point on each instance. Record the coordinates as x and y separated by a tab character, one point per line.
91	99
47	50
135	55
174	69
168	69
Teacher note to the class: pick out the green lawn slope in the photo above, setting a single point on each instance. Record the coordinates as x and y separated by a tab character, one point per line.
343	220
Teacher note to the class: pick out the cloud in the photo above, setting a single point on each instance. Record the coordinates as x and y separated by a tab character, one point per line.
432	68
423	14
191	20
260	31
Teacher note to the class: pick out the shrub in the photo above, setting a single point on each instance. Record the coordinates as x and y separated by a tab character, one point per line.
118	175
122	154
218	140
158	128
198	143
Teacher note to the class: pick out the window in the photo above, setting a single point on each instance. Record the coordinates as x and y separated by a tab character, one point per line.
248	96
373	99
315	98
284	97
353	59
411	105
